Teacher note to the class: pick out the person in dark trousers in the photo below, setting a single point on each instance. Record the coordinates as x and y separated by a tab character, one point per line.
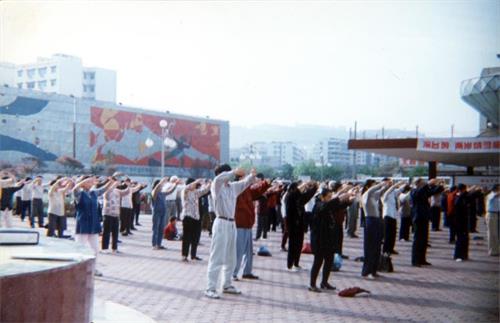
339	215
272	202
26	202
405	213
444	207
37	200
262	217
297	197
474	195
126	208
136	205
421	215
389	213
284	229
463	201
323	234
352	220
436	211
450	213
191	222
8	187
111	213
372	242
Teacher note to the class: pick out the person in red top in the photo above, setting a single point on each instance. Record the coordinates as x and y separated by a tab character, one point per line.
272	201
450	212
245	219
170	232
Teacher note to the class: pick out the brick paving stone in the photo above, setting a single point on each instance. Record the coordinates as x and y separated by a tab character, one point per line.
159	285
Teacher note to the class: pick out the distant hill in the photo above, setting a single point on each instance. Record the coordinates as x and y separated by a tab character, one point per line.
303	135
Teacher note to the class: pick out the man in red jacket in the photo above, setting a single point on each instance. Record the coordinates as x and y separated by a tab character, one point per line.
245	219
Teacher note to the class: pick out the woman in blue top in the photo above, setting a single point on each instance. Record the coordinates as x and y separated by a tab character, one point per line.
159	209
88	225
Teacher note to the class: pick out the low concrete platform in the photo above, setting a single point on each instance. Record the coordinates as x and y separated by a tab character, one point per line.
160	285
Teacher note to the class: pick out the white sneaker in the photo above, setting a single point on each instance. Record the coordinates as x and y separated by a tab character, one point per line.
212	294
297	268
371	277
97	273
458	260
231	290
293	269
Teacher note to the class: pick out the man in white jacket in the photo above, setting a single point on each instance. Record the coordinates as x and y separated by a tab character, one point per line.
223	248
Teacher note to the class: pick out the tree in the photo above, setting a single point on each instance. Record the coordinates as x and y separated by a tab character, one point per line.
307	168
286	171
32	164
70	164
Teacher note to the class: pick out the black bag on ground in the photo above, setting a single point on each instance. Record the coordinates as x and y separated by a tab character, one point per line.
385	263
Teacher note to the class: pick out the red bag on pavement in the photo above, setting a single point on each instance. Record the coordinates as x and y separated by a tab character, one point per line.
306	248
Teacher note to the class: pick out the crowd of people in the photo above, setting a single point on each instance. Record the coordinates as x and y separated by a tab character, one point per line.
231	203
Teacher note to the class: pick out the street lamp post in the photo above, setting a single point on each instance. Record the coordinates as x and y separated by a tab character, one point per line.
74	126
163	126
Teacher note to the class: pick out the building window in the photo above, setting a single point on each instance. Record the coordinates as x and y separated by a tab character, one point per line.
20	85
30	85
85	74
53	69
30	72
91	88
20	73
84	88
42	71
42	84
92	76
52	82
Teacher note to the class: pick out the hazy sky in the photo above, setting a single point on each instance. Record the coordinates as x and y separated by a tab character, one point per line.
384	63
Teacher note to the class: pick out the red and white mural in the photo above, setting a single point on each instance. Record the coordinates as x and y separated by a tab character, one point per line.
121	137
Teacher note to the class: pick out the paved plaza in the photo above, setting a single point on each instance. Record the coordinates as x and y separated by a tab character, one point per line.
160	285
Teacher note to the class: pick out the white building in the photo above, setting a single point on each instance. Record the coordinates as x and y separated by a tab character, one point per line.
7	74
274	154
332	151
64	74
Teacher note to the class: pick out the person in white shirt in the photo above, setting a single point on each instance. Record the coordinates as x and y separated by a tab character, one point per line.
223	247
372	239
37	200
390	212
127	208
8	187
170	199
284	237
405	213
59	188
26	202
492	221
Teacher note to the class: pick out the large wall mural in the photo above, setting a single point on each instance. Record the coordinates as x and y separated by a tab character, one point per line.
19	122
122	137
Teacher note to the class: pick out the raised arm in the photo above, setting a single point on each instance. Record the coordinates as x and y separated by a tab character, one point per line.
241	185
220	179
204	189
158	187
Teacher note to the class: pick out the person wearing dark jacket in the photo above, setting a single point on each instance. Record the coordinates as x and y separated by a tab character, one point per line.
136	205
323	235
340	215
421	216
462	203
297	197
